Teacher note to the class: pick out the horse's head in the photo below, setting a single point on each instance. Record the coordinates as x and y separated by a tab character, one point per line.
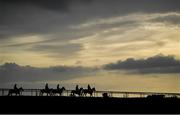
93	89
63	88
81	89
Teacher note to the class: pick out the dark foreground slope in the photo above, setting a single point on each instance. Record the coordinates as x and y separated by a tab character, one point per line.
42	105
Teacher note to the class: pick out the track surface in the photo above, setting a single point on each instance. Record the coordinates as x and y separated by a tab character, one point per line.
26	104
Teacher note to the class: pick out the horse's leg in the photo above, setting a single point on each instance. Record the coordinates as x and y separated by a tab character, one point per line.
9	94
90	94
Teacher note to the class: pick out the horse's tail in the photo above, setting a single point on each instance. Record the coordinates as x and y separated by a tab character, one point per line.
40	93
8	93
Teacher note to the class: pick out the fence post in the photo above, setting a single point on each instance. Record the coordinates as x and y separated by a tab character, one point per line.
125	95
2	92
96	94
111	94
31	92
141	95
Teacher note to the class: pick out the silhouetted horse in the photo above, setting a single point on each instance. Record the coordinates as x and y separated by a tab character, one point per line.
88	91
58	91
47	91
78	92
15	91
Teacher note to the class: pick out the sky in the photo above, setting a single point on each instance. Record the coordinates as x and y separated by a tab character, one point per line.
129	44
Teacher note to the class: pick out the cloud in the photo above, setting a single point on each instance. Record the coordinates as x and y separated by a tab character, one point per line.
11	72
118	37
23	17
169	18
44	17
155	64
114	28
60	5
67	49
41	17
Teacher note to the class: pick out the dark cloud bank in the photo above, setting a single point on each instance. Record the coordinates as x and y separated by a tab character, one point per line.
155	64
11	72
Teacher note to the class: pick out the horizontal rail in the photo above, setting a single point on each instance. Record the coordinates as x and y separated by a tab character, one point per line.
144	93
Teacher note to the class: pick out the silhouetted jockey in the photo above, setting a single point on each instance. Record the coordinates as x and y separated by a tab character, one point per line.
46	87
77	88
89	87
58	87
15	87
